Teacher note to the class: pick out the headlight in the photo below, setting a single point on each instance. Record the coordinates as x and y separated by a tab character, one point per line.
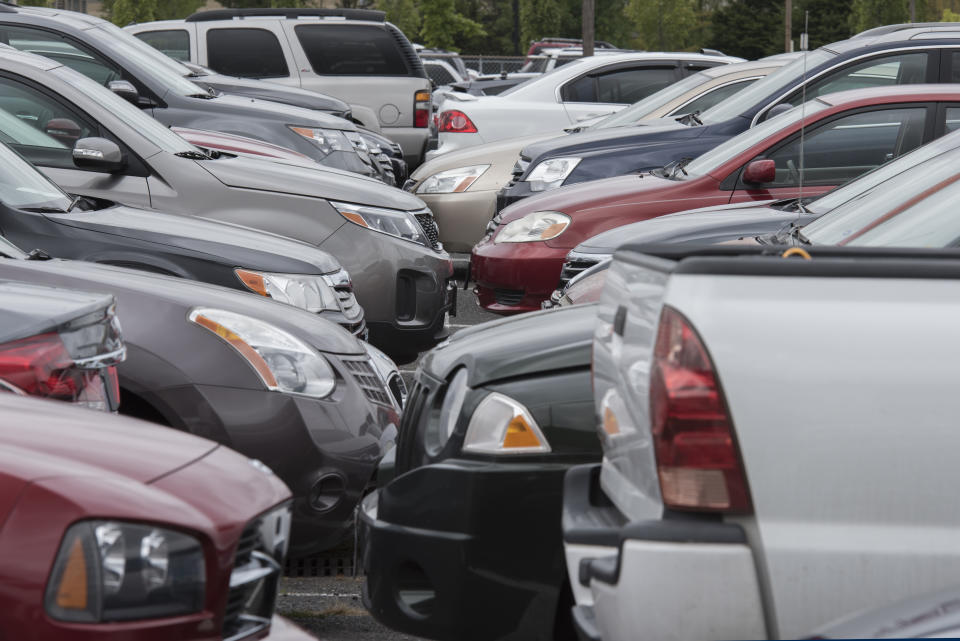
328	140
116	571
540	225
282	361
501	425
452	180
392	222
439	431
550	174
305	291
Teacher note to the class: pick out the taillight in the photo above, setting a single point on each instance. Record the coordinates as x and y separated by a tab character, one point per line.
421	109
453	121
697	458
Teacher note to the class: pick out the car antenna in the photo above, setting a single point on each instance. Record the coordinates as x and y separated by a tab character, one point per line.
804	47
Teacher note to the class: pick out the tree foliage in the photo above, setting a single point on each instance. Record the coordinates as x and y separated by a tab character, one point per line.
664	25
748	28
442	25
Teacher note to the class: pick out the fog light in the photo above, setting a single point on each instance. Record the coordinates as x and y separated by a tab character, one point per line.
327	492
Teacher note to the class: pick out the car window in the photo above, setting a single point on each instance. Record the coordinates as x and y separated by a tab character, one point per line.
247	53
648	105
57	47
952	121
714	97
351	50
627	86
172	42
23	186
847	147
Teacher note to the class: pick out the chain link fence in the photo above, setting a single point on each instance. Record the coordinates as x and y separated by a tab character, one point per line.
493	64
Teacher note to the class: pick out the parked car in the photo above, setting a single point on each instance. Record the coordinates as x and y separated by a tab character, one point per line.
280	384
174	538
588	88
907	56
464	202
927	616
495	417
492	84
697	438
36	214
552	57
843	135
117	60
536	46
386	239
352	53
59	344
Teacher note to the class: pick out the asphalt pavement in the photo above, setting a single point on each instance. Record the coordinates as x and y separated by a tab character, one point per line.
330	607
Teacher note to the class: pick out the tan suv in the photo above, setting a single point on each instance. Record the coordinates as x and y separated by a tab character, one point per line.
352	54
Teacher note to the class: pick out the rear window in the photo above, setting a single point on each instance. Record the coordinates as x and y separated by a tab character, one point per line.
174	42
351	50
247	53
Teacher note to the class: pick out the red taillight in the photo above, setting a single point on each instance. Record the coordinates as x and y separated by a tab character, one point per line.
456	122
41	366
421	109
697	458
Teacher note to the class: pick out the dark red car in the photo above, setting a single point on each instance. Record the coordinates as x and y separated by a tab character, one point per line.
113	528
517	264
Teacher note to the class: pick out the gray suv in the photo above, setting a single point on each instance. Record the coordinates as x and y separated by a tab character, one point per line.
352	54
93	143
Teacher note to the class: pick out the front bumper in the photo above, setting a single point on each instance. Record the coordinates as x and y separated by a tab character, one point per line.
515	277
514	191
413	141
681	577
326	451
462	217
453	551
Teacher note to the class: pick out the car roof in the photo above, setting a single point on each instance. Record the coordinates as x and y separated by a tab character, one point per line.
932	92
81	21
738	67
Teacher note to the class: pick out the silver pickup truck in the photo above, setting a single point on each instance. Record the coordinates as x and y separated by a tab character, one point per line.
780	433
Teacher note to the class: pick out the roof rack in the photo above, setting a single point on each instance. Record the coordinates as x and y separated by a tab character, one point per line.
290	14
892	28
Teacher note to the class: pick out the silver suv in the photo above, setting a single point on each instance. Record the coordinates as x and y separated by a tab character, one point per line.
352	54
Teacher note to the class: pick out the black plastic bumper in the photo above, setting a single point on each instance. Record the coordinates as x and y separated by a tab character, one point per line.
402	341
466	551
514	191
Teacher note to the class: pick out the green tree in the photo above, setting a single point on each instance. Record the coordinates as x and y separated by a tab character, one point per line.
159	10
442	26
496	19
37	3
404	14
949	16
866	14
748	28
540	18
828	21
123	12
664	25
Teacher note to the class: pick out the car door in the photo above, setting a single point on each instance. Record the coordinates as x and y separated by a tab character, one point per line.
43	129
839	150
607	89
260	51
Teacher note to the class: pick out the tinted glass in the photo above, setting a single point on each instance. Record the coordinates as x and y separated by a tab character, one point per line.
351	50
580	90
850	146
247	53
712	98
901	69
22	186
648	105
932	222
62	50
953	119
627	86
174	43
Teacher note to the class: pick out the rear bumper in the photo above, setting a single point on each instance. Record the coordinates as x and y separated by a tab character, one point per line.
484	559
462	217
515	277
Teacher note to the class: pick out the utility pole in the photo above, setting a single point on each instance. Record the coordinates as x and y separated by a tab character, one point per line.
588	27
788	25
913	10
516	28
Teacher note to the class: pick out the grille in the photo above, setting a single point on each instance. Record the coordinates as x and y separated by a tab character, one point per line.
429	226
508	296
398	389
368	380
574	266
343	288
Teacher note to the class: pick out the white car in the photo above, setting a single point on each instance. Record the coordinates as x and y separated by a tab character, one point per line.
578	91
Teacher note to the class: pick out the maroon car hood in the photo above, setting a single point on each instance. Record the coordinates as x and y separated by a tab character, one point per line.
42	439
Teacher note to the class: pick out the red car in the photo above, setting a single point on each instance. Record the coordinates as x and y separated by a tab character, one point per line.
113	528
517	264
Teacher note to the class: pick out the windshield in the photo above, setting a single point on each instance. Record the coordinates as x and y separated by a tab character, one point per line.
146	126
858	221
749	98
640	110
22	186
9	249
166	72
732	148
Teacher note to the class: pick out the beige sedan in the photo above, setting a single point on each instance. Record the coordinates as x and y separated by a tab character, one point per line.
461	187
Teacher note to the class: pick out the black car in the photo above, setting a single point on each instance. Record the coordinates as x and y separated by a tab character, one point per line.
464	544
142	75
280	385
902	56
36	214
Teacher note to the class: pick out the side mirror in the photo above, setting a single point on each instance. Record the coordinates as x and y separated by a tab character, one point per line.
782	108
98	154
125	90
63	130
760	171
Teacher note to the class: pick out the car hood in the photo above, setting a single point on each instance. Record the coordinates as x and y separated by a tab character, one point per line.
274	92
499	151
240	144
278	111
224	242
26	309
656	131
521	345
63	440
145	302
699	225
319	182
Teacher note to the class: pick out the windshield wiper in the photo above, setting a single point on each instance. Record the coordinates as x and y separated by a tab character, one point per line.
798	235
38	254
678	167
193	155
691	119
